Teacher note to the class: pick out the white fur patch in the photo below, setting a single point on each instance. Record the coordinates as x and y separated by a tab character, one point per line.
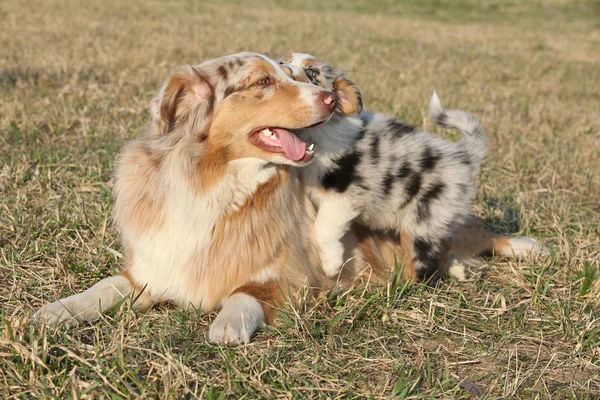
521	247
240	317
266	274
457	270
85	306
163	259
333	220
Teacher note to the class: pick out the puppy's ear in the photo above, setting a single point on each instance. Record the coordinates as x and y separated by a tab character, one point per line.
350	99
184	102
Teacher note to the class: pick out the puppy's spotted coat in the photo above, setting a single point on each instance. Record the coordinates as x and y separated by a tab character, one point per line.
388	174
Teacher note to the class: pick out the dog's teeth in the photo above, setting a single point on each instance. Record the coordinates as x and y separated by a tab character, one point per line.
312	146
266	132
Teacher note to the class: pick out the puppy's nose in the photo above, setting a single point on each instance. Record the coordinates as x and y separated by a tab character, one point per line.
329	99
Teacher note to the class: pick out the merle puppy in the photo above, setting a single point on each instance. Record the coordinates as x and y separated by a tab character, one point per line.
387	174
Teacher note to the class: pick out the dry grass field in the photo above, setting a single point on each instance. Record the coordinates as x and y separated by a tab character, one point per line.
75	78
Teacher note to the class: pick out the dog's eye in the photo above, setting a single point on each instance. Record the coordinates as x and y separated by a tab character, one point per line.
311	73
264	82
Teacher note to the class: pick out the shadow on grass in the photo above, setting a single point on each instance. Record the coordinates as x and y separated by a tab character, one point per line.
502	216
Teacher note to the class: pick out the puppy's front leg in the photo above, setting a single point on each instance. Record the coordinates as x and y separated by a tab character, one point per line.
246	309
333	221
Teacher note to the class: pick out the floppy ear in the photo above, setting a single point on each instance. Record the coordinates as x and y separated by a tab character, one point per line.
350	99
184	102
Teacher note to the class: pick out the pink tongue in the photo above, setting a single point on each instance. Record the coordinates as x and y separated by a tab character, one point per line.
293	147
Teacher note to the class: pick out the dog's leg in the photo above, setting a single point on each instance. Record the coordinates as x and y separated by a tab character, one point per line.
331	224
246	309
425	259
473	240
409	263
90	304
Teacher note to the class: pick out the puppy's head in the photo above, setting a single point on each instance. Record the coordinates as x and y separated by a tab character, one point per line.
306	68
244	105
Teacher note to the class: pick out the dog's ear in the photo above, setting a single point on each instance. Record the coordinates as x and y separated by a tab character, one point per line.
185	101
350	99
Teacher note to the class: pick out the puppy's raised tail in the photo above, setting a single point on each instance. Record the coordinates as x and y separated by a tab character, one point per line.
473	140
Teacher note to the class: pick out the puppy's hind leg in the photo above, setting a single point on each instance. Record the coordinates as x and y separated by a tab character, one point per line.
425	259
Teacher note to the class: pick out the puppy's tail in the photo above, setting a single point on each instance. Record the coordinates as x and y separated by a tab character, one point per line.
473	140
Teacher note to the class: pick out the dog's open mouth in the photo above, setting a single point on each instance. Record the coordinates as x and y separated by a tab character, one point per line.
279	140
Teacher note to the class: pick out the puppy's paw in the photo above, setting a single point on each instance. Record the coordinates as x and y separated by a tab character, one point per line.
332	261
457	269
241	316
332	269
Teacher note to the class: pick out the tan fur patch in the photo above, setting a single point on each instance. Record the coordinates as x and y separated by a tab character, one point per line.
408	257
270	295
143	300
500	244
135	205
350	101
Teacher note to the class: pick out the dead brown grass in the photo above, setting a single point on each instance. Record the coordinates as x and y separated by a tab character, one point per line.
75	79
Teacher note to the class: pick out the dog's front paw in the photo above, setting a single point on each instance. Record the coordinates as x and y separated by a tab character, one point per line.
53	314
241	316
228	331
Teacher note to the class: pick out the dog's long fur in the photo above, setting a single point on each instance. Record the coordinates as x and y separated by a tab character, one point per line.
210	221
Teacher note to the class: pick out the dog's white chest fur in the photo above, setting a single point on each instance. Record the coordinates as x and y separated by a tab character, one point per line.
172	261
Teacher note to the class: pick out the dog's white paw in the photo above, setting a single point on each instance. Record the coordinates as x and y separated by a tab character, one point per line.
458	270
53	314
332	261
240	317
332	269
520	247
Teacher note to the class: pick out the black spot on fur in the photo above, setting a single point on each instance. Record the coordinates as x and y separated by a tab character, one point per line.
412	188
229	90
414	185
223	72
464	158
441	119
432	193
388	182
239	62
429	256
344	174
399	128
404	170
429	159
375	150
